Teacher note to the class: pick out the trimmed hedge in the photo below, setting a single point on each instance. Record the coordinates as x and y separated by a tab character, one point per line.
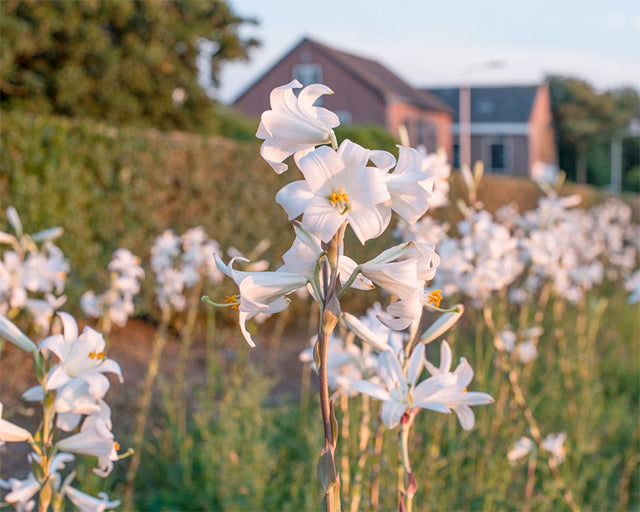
113	188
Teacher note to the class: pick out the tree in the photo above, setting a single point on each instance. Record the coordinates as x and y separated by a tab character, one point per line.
130	61
585	123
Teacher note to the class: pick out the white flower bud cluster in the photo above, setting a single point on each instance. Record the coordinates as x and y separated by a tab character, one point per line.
33	273
116	303
180	263
571	248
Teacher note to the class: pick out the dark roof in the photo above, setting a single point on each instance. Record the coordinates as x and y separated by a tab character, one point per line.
506	104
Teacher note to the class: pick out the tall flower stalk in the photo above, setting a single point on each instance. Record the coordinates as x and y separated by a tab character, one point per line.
346	185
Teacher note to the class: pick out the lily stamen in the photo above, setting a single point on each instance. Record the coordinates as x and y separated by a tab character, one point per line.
435	298
340	200
234	300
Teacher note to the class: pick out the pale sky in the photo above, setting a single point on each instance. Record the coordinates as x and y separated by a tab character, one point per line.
430	42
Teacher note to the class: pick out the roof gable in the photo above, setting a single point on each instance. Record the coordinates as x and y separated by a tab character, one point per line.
376	76
370	74
510	104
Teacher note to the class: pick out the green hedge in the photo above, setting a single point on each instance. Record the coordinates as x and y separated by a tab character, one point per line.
113	188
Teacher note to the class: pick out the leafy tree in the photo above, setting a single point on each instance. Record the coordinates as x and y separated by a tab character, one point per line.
586	121
130	61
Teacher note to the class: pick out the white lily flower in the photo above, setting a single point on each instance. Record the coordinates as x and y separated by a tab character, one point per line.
398	390
408	186
87	503
260	292
554	444
80	356
338	188
455	396
95	438
294	125
11	433
521	448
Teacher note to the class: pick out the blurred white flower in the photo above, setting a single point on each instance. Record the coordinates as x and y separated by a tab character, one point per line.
521	448
527	351
554	444
632	285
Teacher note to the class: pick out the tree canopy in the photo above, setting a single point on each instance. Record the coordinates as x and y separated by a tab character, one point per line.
586	121
128	61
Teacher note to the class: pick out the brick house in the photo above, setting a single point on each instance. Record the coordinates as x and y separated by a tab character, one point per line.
366	93
511	128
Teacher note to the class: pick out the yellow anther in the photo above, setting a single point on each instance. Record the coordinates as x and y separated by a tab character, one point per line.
61	275
233	299
465	390
96	355
116	445
340	200
435	297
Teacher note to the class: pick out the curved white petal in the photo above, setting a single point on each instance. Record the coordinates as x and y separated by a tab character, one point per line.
322	219
369	388
294	198
392	413
369	223
416	362
69	326
465	416
320	167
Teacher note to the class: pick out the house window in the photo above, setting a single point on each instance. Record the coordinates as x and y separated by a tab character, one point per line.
307	73
456	156
498	156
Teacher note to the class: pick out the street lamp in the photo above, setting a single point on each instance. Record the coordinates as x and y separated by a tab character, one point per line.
465	107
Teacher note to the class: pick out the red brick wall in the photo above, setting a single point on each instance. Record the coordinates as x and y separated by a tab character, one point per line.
398	113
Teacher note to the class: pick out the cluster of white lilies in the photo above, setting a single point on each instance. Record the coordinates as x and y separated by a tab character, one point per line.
346	185
70	368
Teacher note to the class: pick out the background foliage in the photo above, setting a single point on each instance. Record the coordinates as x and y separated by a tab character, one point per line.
115	61
586	120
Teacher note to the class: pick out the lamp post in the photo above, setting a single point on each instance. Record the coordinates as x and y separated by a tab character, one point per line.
465	107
